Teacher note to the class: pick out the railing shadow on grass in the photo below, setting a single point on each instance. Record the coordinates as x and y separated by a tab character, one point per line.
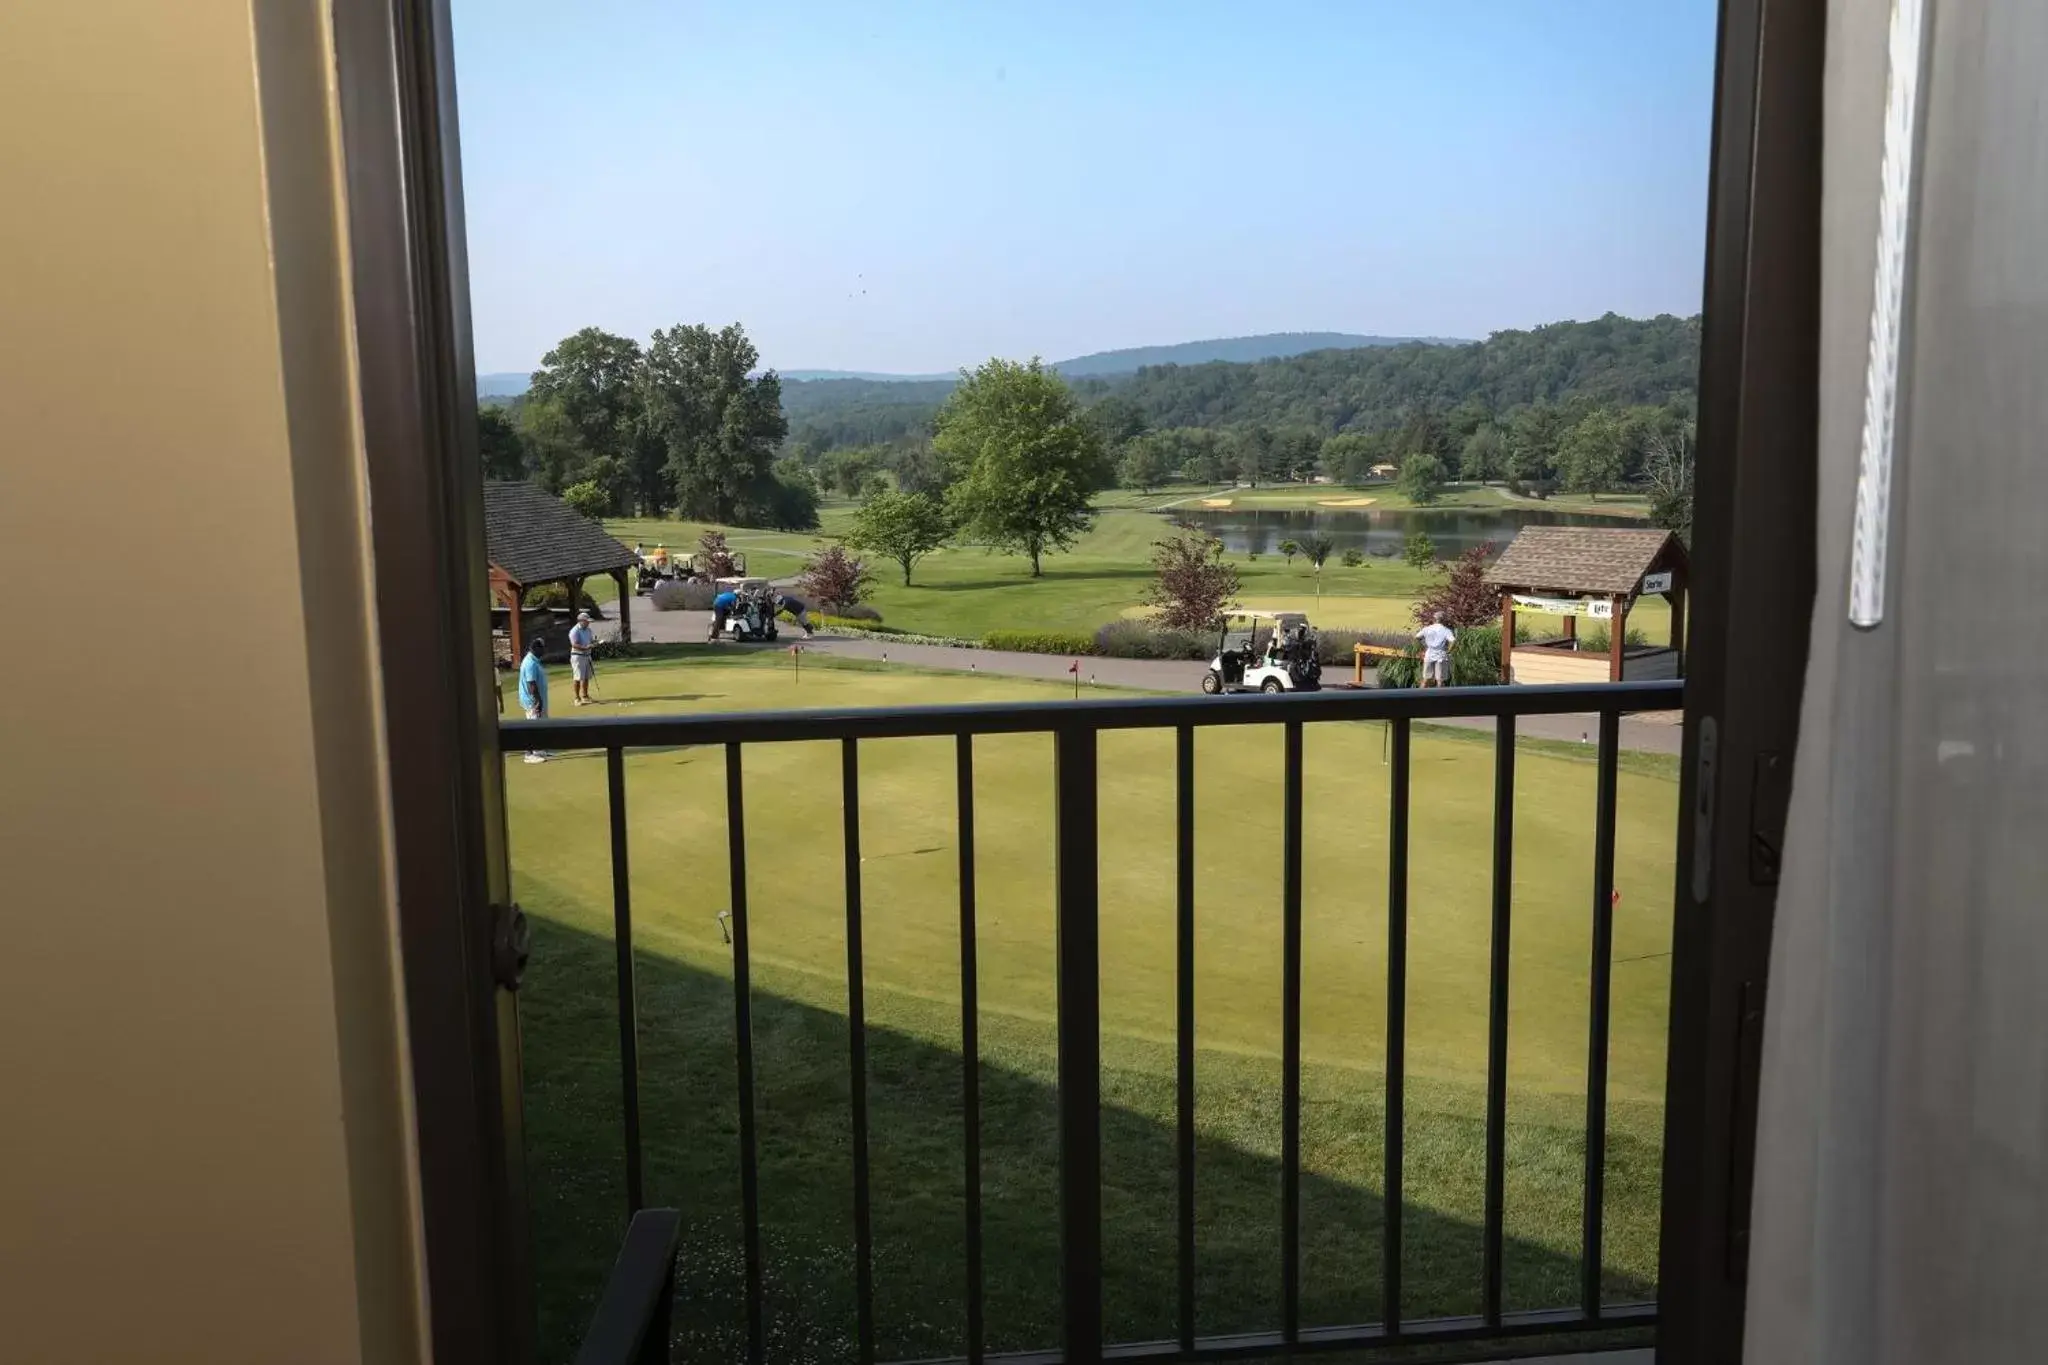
689	1117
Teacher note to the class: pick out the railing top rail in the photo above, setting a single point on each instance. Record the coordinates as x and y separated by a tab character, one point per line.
1093	713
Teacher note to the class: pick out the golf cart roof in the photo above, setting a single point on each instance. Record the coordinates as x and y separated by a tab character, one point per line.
743	584
1284	618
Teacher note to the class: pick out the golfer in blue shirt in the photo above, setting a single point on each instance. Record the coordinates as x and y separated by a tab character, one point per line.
533	693
721	608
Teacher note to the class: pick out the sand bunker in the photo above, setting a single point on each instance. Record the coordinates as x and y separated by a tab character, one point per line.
1215	502
1347	502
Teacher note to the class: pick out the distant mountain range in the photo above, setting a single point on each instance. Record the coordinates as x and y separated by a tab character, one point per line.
508	384
1270	346
1236	350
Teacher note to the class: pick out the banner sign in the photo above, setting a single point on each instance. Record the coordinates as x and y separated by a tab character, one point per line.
1599	609
1656	582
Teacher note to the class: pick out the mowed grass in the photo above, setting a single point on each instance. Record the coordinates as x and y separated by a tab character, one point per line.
911	942
967	591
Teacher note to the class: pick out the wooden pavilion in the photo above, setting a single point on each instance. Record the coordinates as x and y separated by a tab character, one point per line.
1595	573
533	538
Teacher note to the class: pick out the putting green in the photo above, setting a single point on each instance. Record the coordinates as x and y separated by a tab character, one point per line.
557	814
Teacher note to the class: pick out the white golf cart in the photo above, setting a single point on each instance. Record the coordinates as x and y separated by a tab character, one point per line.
752	617
1264	651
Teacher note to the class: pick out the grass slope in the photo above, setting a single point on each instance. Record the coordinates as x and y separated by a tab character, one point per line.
558	825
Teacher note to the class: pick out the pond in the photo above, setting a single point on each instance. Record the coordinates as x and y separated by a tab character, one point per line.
1257	530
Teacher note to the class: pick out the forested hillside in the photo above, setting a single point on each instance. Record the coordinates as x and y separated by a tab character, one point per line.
1611	360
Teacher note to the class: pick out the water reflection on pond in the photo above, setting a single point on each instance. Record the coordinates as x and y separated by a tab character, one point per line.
1259	530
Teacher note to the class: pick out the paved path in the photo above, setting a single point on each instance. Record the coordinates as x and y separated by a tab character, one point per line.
1659	734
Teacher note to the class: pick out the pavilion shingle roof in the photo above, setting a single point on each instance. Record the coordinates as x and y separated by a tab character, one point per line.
1578	559
535	537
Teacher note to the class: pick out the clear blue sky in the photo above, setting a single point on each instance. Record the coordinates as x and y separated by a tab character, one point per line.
911	187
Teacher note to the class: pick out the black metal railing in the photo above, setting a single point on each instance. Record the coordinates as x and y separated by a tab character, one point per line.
1074	727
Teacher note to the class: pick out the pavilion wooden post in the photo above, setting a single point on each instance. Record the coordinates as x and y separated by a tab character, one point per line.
625	607
1676	597
1617	628
1571	629
517	600
575	586
1507	636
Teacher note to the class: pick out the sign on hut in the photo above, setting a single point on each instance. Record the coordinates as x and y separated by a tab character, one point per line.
1586	574
533	538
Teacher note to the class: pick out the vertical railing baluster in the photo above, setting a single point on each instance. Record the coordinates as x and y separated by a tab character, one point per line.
857	1057
1397	1025
1080	1046
1290	1037
1184	1016
970	1045
1497	1017
629	1011
743	1030
1603	976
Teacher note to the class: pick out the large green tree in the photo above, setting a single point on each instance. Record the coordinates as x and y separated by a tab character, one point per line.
904	527
498	441
1349	456
1533	436
1117	422
1591	455
1147	462
584	403
1485	455
1202	455
718	425
1023	458
1422	477
1257	454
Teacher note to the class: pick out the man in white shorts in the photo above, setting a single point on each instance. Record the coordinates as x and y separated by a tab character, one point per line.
1436	640
582	639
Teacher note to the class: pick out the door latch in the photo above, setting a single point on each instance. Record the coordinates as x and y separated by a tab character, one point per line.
511	944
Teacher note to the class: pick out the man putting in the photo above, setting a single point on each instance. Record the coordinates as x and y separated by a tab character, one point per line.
582	640
533	693
1436	640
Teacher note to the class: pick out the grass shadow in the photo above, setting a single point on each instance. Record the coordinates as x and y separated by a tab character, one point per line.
690	1119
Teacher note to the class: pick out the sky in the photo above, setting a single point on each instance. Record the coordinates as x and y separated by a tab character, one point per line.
912	187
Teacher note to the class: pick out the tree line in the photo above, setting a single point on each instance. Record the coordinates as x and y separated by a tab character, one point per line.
686	425
1622	362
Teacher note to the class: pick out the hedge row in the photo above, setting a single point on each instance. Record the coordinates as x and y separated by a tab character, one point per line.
1039	641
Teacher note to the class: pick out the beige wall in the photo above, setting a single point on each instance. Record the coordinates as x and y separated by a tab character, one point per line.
204	1146
1558	666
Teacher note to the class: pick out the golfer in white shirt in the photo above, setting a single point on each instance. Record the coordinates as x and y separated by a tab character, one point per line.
1436	640
582	640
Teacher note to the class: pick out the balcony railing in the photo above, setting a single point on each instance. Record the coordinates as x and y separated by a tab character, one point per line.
1074	728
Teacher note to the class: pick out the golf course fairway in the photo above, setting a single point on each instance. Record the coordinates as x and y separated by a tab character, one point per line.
797	908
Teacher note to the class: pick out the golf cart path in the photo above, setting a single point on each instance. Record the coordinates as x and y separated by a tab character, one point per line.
1656	735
